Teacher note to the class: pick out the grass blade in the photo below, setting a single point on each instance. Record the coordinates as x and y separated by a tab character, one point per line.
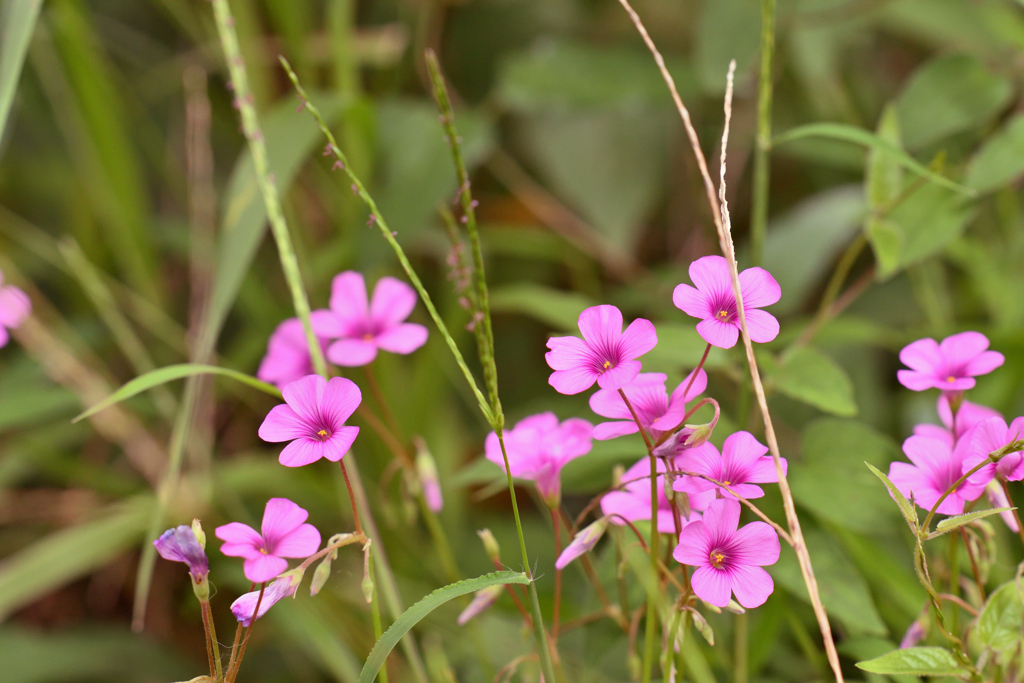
18	23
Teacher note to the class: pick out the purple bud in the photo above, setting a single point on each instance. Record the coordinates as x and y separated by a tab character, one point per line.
914	635
426	469
282	587
584	542
181	545
483	599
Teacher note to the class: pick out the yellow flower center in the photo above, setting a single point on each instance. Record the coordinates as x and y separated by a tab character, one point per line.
263	551
322	433
607	364
723	314
951	379
368	337
717	558
727	483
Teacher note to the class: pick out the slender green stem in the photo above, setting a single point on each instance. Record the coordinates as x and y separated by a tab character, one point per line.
762	151
826	310
233	673
741	673
204	606
375	612
238	638
974	565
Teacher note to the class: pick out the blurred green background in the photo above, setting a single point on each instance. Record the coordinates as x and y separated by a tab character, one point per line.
130	214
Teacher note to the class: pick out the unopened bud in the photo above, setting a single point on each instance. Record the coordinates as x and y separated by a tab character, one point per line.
699	434
617	473
197	529
491	546
584	542
703	626
915	634
201	587
320	576
683	501
635	665
482	600
426	470
367	584
734	607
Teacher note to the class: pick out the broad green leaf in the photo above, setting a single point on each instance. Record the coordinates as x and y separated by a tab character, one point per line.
17	23
170	373
831	480
561	310
810	376
741	22
291	136
915	661
1000	161
803	243
71	553
421	609
949	94
906	508
954	523
869	647
864	138
883	180
1002	618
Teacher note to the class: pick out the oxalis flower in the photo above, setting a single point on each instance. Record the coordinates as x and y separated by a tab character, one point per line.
729	560
606	354
989	436
950	365
15	306
538	447
313	419
936	466
658	412
741	464
181	545
967	417
284	587
287	357
634	501
284	535
361	328
714	302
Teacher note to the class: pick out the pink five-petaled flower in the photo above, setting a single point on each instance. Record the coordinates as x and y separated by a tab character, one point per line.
606	354
287	357
313	419
937	466
538	447
949	365
969	415
633	502
361	327
714	302
284	535
741	464
14	308
989	436
657	411
283	587
729	560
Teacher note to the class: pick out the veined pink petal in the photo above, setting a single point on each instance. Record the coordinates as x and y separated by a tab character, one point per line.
612	430
758	544
916	381
747	491
711	273
283	424
924	452
959	349
608	403
935	432
721	518
301	542
691	301
969	414
763	471
351	353
15	306
240	540
348	296
566	353
303	395
717	333
393	301
601	325
302	452
713	586
759	288
922	355
620	375
280	517
263	567
639	338
573	381
743	449
751	585
913	482
700	383
244	606
335	448
404	338
693	546
762	326
984	363
326	324
340	399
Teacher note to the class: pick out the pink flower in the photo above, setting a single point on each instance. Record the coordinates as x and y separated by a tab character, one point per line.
284	535
657	411
915	634
714	302
969	415
606	354
283	587
997	499
362	328
181	545
313	419
538	447
950	365
741	464
729	560
634	501
287	356
583	542
989	436
15	306
937	466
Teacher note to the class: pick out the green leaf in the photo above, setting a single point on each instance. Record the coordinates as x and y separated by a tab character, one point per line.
1000	161
561	310
831	480
16	27
883	180
71	553
810	376
1000	621
954	523
421	609
915	661
170	373
906	508
949	94
864	138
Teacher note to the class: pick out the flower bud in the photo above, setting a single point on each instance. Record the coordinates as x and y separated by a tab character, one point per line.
426	469
197	529
490	545
320	576
584	542
482	600
699	434
180	544
282	587
703	626
367	585
734	607
915	634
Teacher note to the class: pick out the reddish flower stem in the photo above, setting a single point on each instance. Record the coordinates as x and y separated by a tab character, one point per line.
556	612
351	497
248	632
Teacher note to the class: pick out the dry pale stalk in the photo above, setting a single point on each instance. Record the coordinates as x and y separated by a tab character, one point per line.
720	213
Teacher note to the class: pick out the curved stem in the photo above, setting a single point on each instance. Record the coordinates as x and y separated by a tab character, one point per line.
211	640
233	673
351	496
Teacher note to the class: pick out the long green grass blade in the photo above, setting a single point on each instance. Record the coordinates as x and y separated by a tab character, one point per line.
15	32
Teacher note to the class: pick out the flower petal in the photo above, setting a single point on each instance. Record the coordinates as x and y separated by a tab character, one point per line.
351	353
757	543
639	338
612	430
283	424
712	585
393	301
326	324
751	585
280	517
301	542
710	274
335	448
340	399
301	452
717	333
15	306
404	338
620	375
960	349
691	301
240	540
601	325
762	326
721	518
916	381
742	449
348	297
567	353
608	403
264	567
759	288
984	363
922	355
572	381
692	548
930	454
303	395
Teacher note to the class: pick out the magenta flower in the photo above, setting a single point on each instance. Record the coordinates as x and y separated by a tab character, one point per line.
997	499
936	466
729	560
989	436
313	419
714	302
538	447
634	501
181	545
283	587
657	411
287	357
969	415
361	327
949	365
741	464
606	354
583	542
15	306
284	535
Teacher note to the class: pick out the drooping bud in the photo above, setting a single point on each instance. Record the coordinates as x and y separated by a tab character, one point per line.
699	434
197	529
915	634
180	544
734	607
483	599
320	576
584	542
282	587
426	470
491	546
703	626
